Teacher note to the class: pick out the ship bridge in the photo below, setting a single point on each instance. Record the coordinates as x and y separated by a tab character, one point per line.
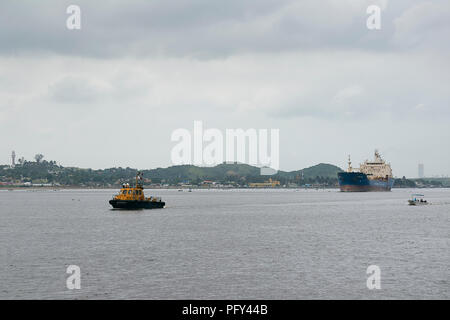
378	168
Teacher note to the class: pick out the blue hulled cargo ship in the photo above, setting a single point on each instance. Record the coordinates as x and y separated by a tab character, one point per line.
373	175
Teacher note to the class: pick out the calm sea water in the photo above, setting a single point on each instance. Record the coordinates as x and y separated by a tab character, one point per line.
227	244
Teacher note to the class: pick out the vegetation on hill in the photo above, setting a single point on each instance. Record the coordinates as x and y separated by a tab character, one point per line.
404	183
323	170
422	183
48	172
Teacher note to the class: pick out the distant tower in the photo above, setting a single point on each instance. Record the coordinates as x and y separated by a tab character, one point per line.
421	170
13	159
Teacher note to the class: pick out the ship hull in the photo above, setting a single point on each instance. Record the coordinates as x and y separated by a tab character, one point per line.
359	182
135	204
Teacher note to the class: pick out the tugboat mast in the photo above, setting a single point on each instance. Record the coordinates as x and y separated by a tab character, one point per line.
138	178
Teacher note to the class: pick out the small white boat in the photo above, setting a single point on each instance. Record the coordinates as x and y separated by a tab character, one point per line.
417	200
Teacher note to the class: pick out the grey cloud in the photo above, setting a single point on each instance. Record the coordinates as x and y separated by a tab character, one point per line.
75	89
379	85
310	68
205	28
423	24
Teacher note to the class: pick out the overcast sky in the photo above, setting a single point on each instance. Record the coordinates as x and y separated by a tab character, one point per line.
112	93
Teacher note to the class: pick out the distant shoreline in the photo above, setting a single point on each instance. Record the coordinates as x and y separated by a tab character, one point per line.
154	187
10	188
45	175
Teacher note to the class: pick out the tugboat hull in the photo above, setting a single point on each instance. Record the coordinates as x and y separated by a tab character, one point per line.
136	204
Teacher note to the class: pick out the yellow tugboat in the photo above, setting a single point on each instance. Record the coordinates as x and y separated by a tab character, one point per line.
133	198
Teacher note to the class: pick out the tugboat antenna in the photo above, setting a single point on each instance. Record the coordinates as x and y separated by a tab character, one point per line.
138	177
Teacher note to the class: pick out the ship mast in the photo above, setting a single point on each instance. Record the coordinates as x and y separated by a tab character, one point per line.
378	158
350	169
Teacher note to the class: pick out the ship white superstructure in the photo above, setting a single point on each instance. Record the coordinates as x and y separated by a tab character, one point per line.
378	168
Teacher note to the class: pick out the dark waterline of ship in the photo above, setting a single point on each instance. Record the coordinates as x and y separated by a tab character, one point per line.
225	244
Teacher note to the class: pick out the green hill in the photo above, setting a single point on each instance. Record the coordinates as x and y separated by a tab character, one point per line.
193	173
319	170
49	172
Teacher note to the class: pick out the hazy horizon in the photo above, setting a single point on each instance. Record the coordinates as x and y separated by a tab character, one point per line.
111	93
